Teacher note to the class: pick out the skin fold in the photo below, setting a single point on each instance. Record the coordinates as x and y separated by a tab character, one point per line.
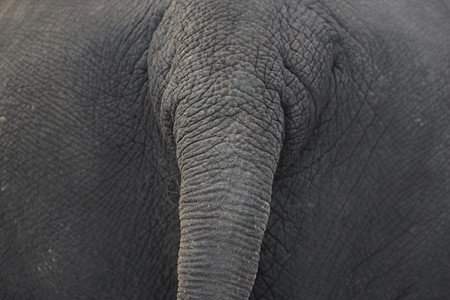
224	149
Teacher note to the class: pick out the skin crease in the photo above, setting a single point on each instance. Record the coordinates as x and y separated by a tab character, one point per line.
335	112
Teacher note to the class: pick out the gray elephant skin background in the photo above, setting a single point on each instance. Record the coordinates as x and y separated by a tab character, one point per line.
186	149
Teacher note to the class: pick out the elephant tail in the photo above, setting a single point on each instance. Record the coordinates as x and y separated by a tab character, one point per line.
221	110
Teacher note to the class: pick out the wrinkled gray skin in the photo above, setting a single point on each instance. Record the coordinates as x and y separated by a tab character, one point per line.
224	149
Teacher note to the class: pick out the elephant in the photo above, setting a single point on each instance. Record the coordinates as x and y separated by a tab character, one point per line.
162	149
